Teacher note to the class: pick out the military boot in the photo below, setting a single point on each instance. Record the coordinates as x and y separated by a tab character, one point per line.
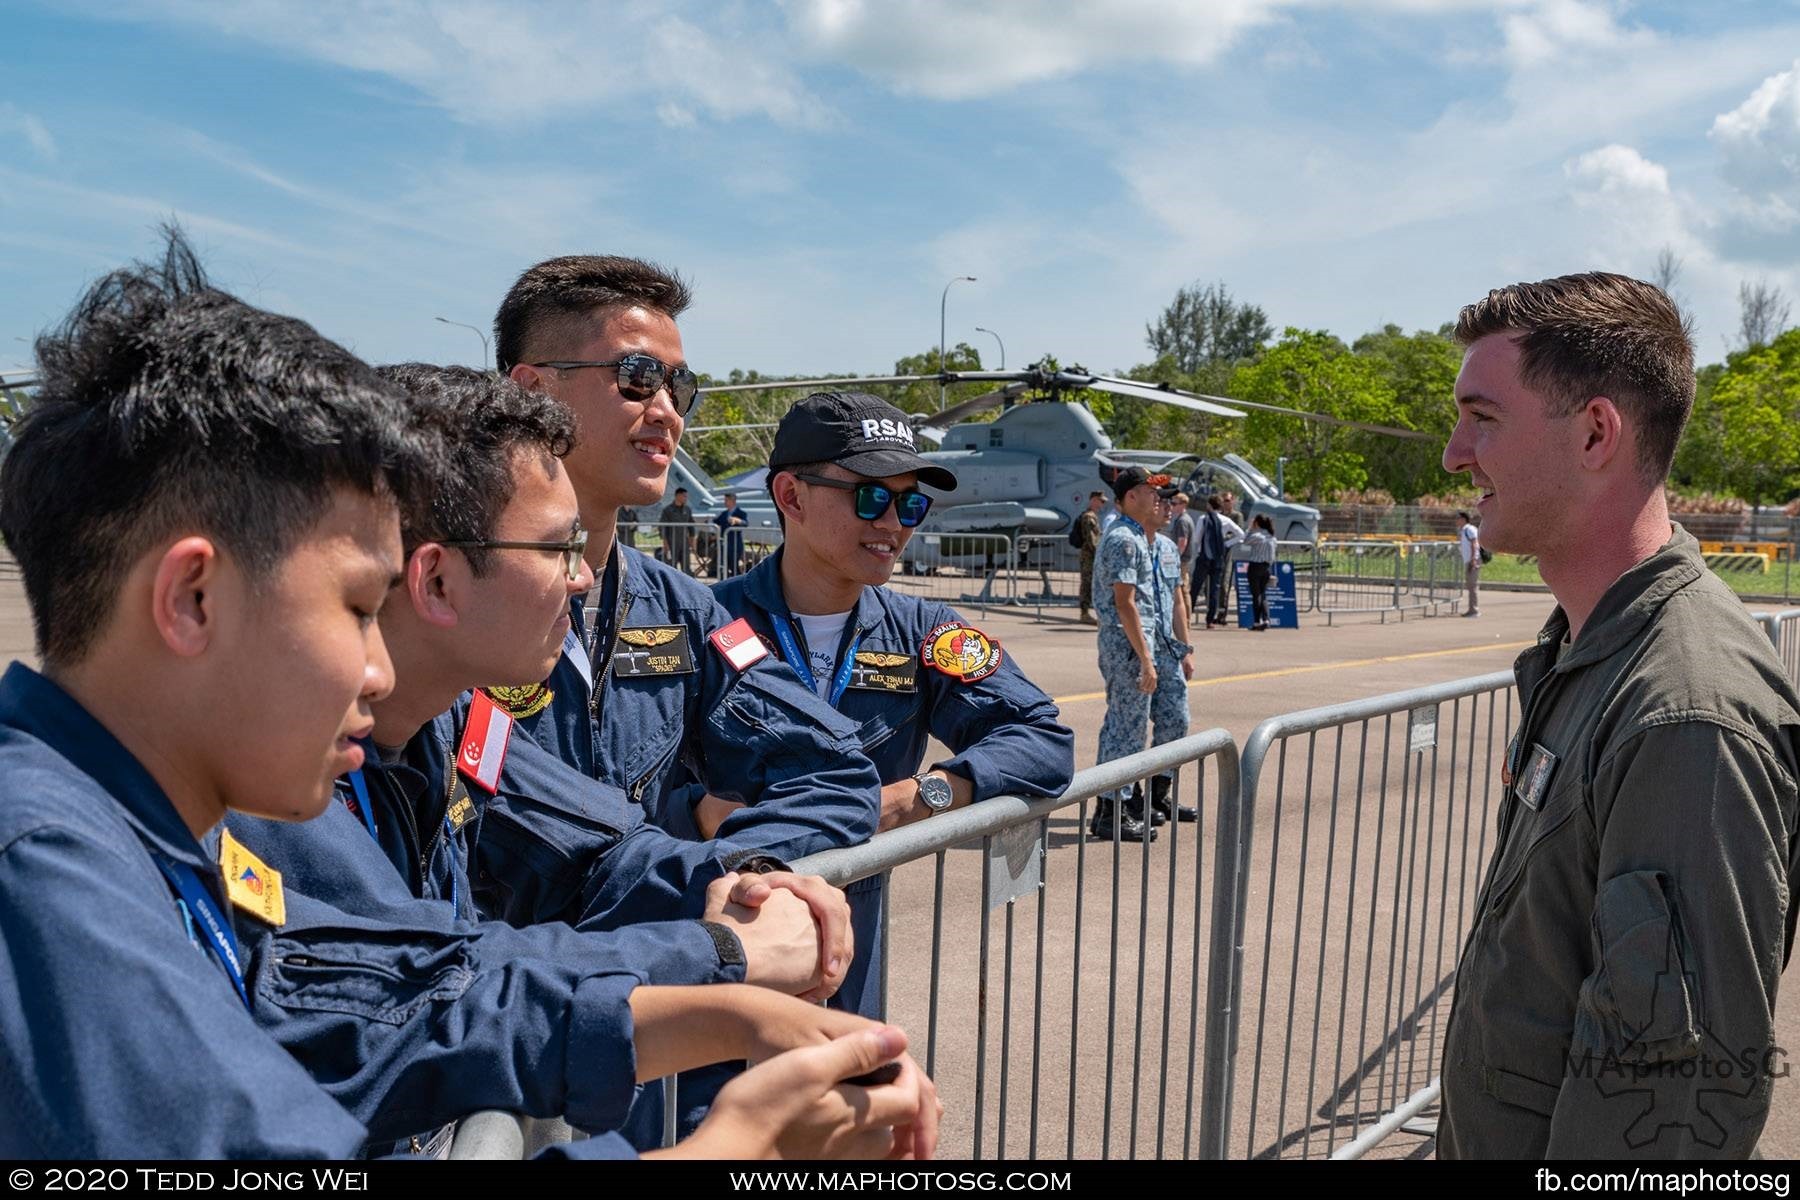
1162	802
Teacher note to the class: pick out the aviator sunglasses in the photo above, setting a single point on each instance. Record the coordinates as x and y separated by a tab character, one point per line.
872	499
641	376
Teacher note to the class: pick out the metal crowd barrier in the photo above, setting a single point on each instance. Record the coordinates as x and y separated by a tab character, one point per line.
1387	577
1346	848
700	548
963	570
1046	573
1364	835
1784	631
1129	1080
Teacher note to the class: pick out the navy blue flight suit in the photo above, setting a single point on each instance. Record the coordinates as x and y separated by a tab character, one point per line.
1002	731
756	735
125	997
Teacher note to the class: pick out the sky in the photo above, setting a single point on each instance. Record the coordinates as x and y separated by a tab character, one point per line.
821	169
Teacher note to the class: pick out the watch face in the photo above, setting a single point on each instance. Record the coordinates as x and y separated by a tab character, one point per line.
935	793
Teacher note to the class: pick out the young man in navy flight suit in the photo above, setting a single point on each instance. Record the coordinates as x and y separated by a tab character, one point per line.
238	526
844	474
491	562
656	679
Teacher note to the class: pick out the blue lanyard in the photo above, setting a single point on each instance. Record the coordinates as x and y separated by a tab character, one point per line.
365	809
199	903
796	658
450	845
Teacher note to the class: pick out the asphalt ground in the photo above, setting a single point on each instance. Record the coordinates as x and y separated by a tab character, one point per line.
1352	922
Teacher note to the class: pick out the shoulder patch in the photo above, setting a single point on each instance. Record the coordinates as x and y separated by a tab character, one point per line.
527	700
252	885
652	650
482	751
739	644
961	651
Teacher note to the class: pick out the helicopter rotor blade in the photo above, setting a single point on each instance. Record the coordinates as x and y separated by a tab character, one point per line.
1178	398
1146	391
956	412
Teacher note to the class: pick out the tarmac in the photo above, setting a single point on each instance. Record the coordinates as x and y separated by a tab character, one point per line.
1308	1070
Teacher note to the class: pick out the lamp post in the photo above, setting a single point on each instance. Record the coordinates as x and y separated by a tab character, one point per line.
996	337
473	330
943	301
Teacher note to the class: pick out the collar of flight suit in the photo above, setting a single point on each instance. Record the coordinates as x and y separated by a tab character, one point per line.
1627	607
762	585
36	705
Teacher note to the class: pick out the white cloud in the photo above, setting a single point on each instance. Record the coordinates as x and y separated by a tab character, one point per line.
1543	33
1620	170
14	119
1760	138
493	63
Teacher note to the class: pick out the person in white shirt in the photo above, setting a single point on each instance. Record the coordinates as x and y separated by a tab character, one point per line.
1468	538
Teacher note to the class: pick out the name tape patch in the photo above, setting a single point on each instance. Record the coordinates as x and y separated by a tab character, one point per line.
652	650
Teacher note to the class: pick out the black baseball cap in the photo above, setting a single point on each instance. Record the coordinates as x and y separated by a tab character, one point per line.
1132	477
857	431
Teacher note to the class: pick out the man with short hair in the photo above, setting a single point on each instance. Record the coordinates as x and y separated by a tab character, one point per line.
598	333
1616	994
677	534
1180	530
1215	537
1145	658
1087	533
1468	541
731	524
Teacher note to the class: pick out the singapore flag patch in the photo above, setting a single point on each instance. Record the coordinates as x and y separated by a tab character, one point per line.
739	644
483	748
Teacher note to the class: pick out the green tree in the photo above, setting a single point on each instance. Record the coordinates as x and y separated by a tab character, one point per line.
1421	369
1313	371
1756	407
1203	325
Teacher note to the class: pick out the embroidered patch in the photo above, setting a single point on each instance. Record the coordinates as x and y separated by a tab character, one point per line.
483	748
527	700
652	650
1534	783
462	806
250	884
884	671
739	644
961	651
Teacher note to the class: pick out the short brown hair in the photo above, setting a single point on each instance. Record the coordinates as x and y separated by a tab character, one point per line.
552	303
1599	334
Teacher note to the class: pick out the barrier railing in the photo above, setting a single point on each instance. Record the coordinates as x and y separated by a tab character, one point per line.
1364	834
700	548
1385	577
1046	574
1346	848
1784	631
965	570
1030	859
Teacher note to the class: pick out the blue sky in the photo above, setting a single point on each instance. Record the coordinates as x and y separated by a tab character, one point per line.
820	168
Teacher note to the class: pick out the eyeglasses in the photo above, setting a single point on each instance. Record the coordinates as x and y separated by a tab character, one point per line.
641	376
572	550
872	499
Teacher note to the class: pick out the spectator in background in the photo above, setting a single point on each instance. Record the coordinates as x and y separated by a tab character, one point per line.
677	537
1259	553
1214	537
1180	530
731	524
1087	530
1468	539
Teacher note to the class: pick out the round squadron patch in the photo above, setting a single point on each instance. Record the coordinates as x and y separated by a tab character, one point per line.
527	700
961	651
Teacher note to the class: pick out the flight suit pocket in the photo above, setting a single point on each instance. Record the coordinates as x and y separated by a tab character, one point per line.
534	857
1531	828
1520	1091
1640	1006
363	974
882	726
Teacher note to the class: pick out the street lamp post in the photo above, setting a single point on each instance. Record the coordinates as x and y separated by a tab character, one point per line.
472	329
996	337
943	301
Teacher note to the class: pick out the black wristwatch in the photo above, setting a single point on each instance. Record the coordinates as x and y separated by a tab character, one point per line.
934	792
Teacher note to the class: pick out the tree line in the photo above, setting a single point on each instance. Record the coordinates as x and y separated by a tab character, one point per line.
1743	440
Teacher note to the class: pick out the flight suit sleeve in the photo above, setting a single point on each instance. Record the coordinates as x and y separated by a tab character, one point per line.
1673	1050
1003	731
773	745
121	1039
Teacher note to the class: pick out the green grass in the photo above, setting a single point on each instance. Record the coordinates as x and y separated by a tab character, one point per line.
1781	580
